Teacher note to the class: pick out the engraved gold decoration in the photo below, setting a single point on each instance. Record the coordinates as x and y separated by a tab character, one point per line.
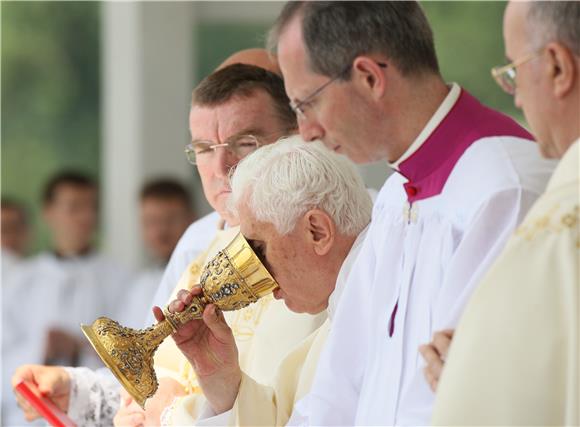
231	280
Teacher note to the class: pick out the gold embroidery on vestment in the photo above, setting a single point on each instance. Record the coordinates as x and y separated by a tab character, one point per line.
553	221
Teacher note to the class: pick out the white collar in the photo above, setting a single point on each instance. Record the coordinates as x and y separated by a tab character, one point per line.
437	118
344	272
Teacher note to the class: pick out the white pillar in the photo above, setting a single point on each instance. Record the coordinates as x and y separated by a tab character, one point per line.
147	77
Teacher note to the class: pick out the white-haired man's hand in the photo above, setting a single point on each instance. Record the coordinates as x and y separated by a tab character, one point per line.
209	345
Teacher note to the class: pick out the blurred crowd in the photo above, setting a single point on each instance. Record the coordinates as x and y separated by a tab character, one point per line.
46	296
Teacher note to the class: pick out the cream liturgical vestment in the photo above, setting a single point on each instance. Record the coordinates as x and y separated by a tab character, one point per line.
437	225
265	332
258	404
515	357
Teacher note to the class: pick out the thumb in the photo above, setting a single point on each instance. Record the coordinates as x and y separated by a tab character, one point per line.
50	383
215	321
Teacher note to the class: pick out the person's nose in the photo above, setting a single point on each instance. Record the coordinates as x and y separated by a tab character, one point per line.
310	129
224	160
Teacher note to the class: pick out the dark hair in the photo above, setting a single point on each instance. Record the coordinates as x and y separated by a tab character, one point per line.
560	21
70	178
244	80
15	205
166	188
336	32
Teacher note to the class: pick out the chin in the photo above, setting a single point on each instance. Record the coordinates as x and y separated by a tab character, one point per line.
300	309
293	307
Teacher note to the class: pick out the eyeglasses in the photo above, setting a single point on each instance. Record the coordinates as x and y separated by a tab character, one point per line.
200	152
505	76
299	107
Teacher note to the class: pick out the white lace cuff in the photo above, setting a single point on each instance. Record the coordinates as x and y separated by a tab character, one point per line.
94	397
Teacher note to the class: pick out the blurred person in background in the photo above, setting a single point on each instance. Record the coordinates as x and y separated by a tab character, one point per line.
58	289
15	233
166	212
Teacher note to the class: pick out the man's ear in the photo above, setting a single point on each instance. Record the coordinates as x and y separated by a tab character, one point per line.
369	76
563	68
321	231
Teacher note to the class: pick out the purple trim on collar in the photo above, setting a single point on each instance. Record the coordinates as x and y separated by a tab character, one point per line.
428	168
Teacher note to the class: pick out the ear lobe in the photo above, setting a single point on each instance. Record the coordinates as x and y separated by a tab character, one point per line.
321	231
562	69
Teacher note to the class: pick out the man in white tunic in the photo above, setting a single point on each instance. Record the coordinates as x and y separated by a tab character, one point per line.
304	209
15	235
465	177
165	213
515	357
56	290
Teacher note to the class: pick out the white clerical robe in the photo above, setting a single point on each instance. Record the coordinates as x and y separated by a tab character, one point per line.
515	357
437	224
258	404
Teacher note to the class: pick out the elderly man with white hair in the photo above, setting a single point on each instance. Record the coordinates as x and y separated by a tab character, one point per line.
305	210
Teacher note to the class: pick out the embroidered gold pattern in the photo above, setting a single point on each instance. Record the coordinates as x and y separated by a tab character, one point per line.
553	221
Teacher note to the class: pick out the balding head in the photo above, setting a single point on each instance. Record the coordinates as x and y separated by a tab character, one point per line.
548	80
258	57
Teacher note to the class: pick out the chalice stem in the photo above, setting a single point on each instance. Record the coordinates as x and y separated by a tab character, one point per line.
193	311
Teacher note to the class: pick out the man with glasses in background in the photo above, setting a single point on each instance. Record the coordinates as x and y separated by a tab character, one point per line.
242	106
515	357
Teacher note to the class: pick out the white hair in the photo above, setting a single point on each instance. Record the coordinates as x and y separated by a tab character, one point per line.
554	21
282	181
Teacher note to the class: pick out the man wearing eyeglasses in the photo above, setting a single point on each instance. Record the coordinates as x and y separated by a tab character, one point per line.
515	356
363	77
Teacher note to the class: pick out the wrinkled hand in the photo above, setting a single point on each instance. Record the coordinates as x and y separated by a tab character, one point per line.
435	354
210	347
52	382
61	347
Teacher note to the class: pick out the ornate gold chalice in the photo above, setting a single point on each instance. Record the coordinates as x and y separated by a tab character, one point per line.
231	280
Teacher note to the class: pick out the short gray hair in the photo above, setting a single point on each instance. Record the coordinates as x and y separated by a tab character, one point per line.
557	21
336	32
286	179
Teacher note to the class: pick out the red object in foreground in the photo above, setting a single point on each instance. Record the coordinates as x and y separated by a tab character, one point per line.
44	407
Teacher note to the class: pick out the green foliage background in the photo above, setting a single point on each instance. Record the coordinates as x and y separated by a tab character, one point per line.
50	96
50	79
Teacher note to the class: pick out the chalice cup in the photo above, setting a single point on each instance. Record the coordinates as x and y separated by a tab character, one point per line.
231	280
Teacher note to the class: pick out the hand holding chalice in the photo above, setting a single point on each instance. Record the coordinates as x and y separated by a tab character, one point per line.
233	279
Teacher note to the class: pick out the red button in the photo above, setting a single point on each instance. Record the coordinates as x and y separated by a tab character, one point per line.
411	191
